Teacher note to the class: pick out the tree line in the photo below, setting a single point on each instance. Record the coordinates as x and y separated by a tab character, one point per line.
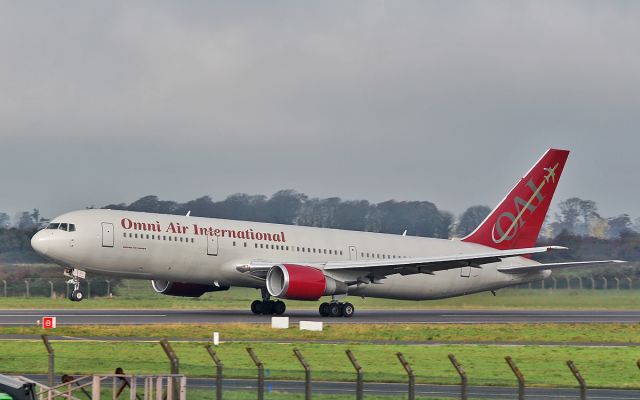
576	220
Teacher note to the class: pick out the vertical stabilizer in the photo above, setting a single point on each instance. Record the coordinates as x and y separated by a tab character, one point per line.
516	222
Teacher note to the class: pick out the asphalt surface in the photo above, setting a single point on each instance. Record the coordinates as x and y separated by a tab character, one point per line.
139	317
400	389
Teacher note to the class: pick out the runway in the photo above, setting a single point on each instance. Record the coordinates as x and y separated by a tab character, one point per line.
400	389
141	317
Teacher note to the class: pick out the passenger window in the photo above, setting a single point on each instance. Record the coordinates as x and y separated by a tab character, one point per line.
298	248
245	243
261	245
256	245
164	238
153	236
340	252
63	227
125	234
147	236
325	251
303	249
234	244
180	240
135	235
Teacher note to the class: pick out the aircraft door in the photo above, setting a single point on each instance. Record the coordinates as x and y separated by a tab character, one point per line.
107	234
465	272
212	245
353	253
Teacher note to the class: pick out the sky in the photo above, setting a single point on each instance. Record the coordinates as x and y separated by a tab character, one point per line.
450	102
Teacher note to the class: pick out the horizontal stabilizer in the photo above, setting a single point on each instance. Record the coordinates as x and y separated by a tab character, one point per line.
544	267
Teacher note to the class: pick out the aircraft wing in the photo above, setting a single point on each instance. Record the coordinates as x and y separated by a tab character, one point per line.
374	270
378	269
543	267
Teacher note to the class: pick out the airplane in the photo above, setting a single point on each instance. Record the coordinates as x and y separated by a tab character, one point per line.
188	256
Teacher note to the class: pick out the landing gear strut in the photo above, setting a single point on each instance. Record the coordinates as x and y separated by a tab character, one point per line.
336	309
267	306
75	275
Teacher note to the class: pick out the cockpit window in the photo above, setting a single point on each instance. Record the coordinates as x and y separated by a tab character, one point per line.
53	226
63	227
72	227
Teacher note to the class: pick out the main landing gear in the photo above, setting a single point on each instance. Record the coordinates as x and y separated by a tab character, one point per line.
336	309
268	307
75	275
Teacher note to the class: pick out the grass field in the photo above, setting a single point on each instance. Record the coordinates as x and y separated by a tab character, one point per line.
138	294
486	333
485	365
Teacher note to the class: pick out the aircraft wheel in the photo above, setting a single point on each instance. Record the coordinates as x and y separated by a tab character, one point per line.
324	309
267	307
347	310
335	309
76	295
279	307
256	307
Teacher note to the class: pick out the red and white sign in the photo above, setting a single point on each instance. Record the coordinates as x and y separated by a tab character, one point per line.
48	322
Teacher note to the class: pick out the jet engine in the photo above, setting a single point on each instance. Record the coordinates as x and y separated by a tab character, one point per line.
301	282
184	289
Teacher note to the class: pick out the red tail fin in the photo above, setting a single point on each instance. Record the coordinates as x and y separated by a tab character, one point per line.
515	223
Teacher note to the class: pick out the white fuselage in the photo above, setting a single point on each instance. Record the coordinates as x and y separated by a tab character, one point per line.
208	251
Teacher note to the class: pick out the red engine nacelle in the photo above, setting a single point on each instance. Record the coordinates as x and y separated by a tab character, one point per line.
300	282
184	289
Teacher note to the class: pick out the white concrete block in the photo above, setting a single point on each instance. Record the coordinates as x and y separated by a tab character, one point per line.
280	322
311	325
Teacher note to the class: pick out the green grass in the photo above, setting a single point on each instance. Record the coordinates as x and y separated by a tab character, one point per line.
138	294
539	333
485	365
201	394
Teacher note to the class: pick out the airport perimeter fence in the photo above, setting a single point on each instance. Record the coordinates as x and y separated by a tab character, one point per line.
100	287
351	377
54	288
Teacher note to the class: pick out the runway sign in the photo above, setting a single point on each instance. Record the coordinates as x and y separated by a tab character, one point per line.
310	325
280	322
48	322
216	338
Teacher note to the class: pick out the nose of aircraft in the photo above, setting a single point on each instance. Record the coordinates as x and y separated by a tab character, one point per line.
40	242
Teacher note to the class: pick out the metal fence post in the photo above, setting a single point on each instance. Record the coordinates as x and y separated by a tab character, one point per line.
52	294
219	367
412	378
260	366
359	375
307	374
579	378
4	287
175	367
463	376
26	284
108	287
519	376
52	360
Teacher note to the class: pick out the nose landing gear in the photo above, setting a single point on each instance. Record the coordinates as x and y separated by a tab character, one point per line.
75	275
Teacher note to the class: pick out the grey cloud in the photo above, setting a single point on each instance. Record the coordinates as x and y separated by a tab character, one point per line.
448	102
